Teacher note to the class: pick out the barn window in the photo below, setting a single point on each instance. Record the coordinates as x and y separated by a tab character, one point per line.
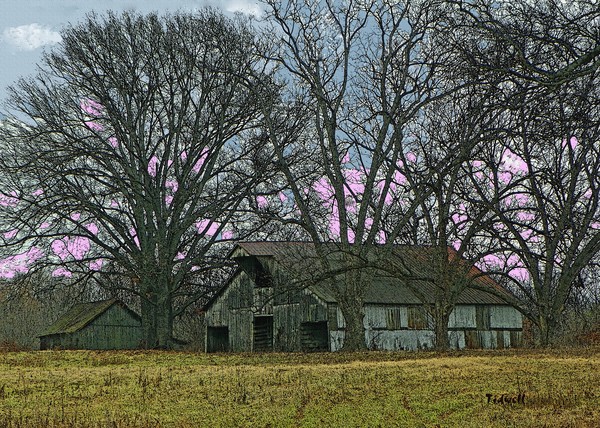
393	319
483	317
417	318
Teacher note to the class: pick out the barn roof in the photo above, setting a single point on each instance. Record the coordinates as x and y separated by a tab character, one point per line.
383	288
82	314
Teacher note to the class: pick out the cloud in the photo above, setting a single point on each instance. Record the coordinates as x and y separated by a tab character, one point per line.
248	7
30	37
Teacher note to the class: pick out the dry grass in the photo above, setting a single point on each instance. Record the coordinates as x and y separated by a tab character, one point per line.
147	389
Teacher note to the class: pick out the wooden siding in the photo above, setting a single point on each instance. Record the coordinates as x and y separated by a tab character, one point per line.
113	329
399	339
493	339
240	304
233	309
285	330
262	300
302	319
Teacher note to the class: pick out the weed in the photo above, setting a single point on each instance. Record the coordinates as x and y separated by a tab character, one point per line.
173	389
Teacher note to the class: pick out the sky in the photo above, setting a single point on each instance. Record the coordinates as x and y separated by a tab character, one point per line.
28	27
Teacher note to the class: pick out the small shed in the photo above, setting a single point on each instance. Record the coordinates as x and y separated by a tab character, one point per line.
106	324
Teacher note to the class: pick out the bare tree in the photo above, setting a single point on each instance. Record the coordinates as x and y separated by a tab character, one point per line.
538	170
132	152
543	184
545	43
444	142
356	76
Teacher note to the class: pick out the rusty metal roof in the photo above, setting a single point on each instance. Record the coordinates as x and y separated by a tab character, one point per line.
414	261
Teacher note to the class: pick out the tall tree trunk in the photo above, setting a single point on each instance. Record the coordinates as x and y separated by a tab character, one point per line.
148	314
164	321
546	326
351	301
441	318
354	339
157	315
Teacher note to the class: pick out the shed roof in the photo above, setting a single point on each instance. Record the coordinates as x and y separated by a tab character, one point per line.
383	289
82	314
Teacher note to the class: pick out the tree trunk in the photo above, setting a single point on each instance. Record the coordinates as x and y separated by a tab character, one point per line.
157	318
546	327
148	314
164	321
351	301
441	318
354	339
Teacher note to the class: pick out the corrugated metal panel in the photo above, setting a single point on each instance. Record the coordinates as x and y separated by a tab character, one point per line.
397	318
418	318
457	339
341	321
482	316
463	317
394	340
505	317
336	340
375	317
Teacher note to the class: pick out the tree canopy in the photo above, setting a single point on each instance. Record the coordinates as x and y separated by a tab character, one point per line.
133	149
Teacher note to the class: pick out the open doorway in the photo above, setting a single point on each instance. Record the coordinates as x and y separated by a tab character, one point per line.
263	333
314	336
217	339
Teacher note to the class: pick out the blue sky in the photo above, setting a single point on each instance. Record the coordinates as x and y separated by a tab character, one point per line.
27	27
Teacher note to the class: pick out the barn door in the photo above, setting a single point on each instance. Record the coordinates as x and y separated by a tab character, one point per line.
217	339
314	336
263	333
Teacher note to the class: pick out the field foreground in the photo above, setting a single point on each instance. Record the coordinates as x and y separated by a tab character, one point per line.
146	389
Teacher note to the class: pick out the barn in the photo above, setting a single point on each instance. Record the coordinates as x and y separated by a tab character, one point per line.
259	309
106	324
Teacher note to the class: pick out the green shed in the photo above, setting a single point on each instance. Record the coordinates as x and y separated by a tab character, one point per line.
107	324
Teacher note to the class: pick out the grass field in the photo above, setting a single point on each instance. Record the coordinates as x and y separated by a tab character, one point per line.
425	389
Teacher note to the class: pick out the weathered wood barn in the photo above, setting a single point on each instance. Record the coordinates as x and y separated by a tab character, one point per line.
107	324
259	309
